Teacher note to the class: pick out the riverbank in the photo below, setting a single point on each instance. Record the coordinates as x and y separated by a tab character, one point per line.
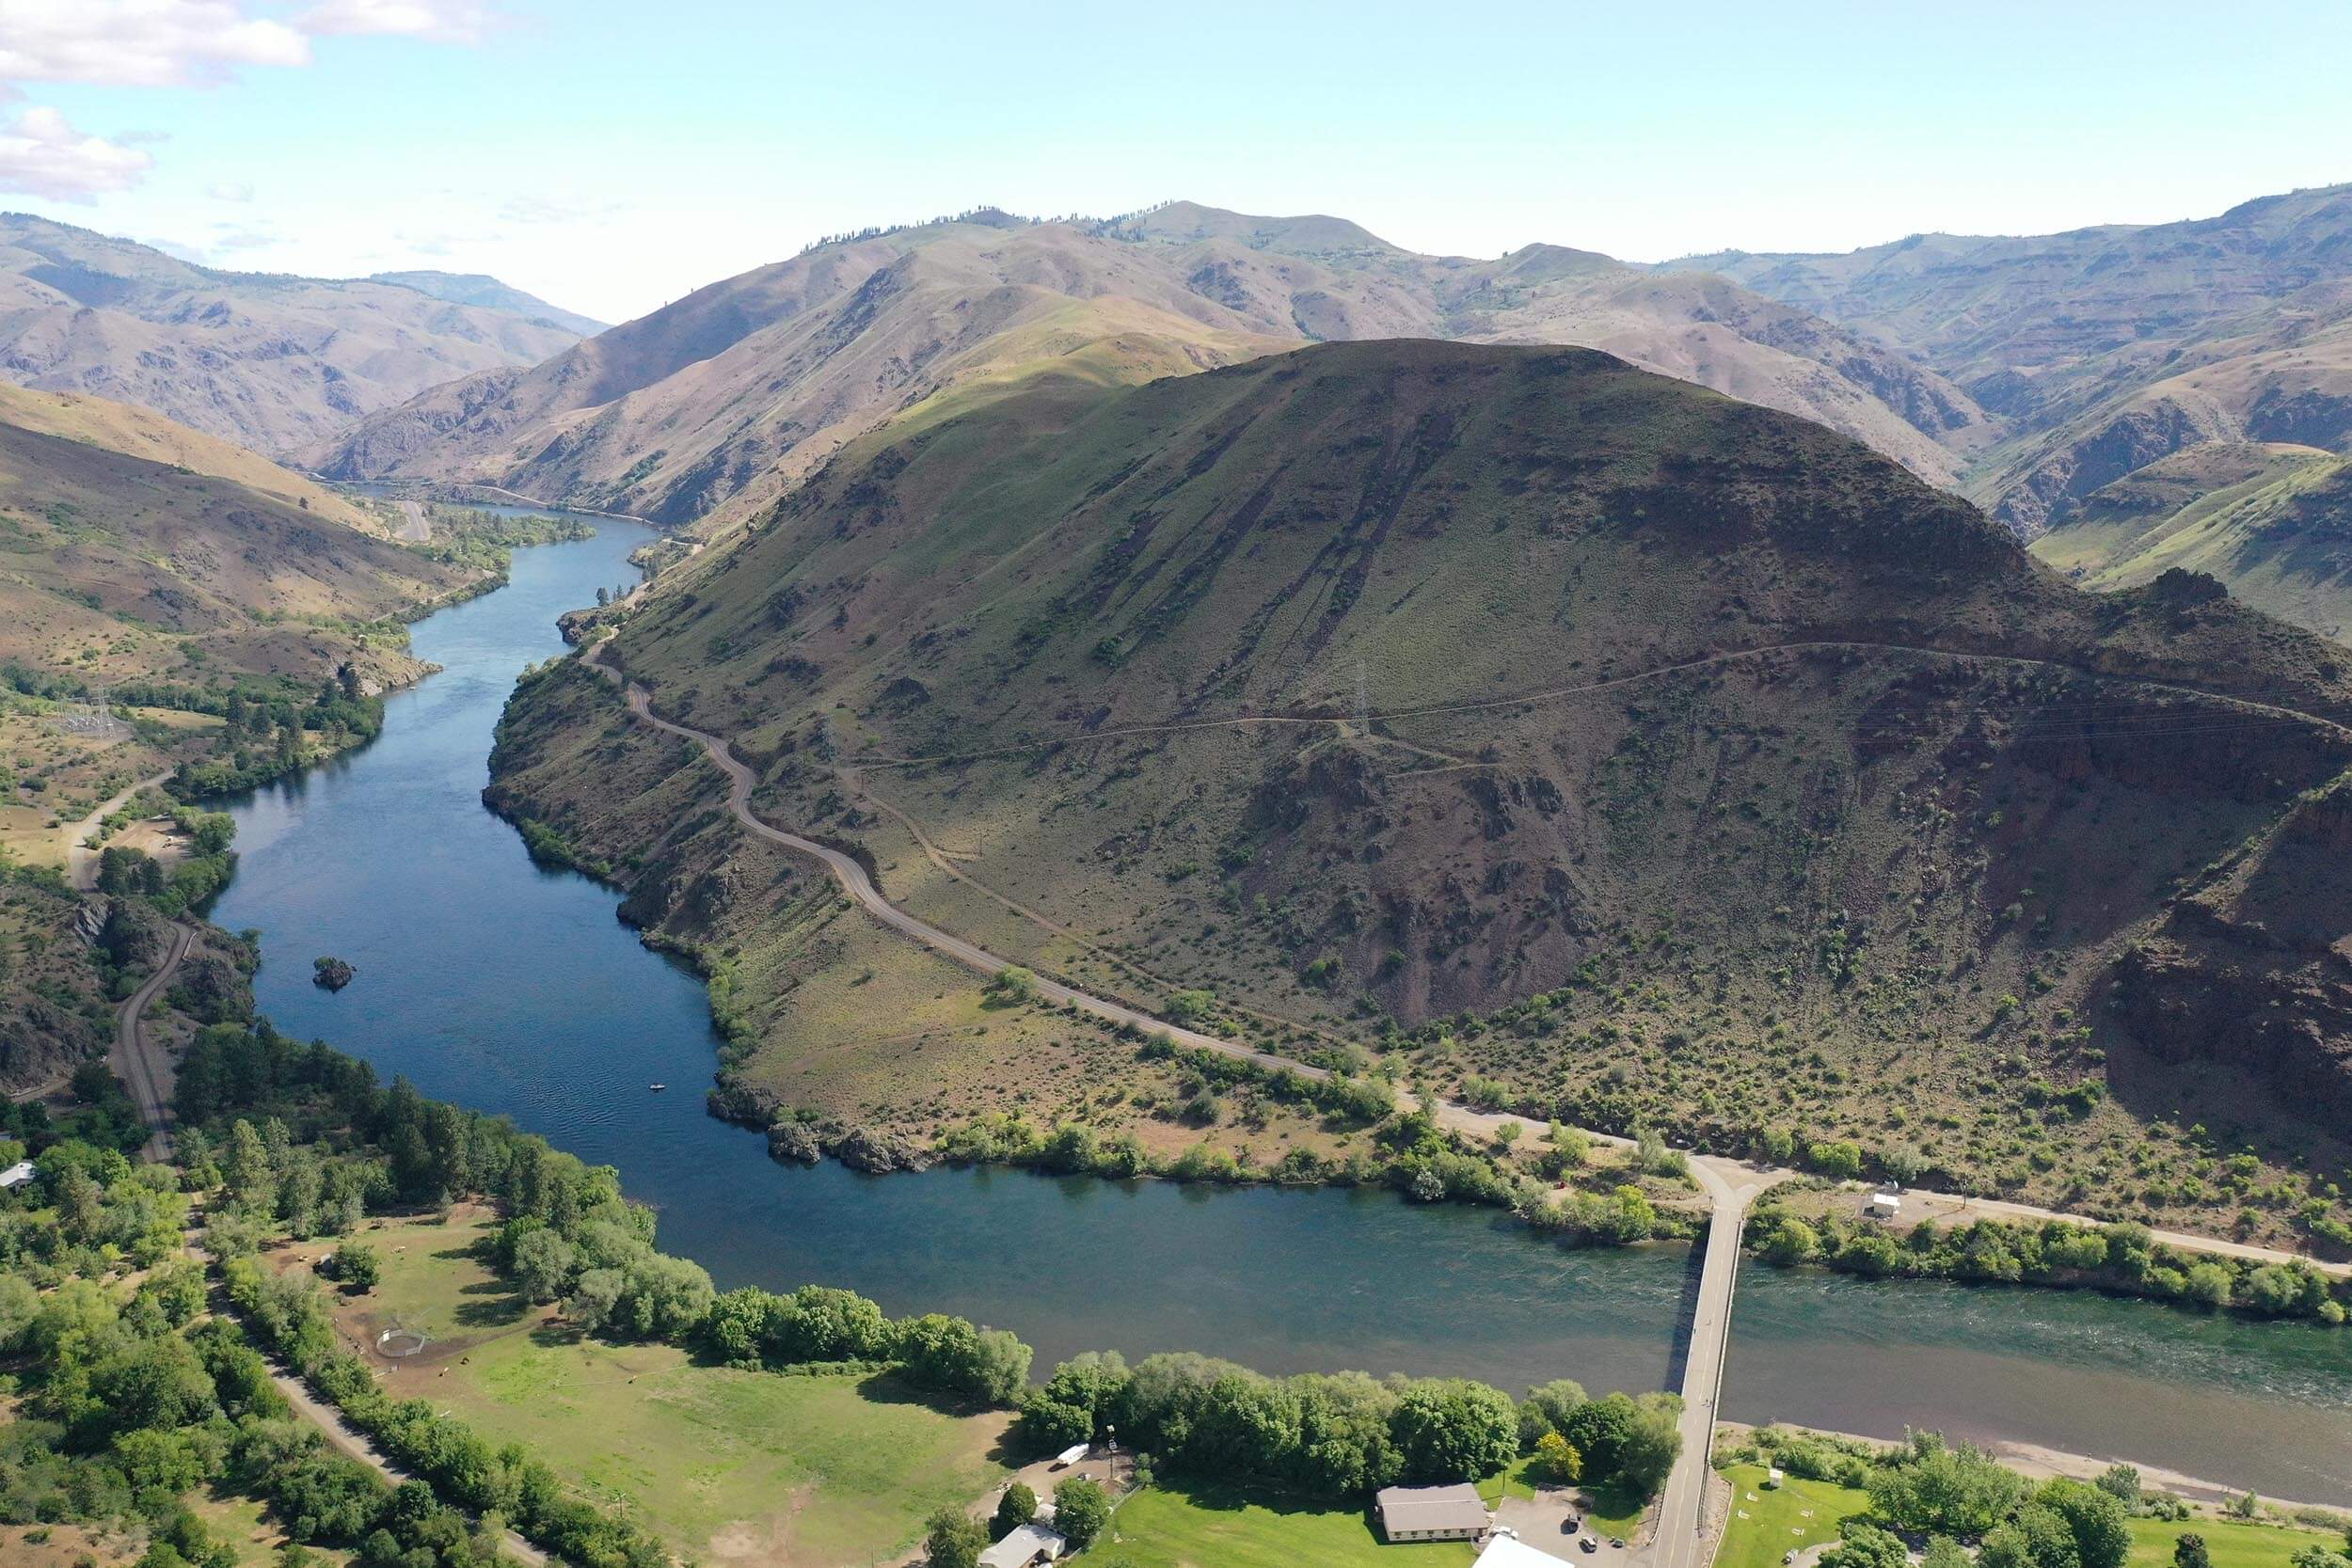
521	994
2041	1462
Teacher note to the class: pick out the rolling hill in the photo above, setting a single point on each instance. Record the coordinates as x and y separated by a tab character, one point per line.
1580	738
2272	521
727	395
2102	350
269	362
133	550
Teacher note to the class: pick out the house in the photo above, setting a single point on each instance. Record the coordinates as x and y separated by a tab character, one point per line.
1025	1546
16	1174
1509	1551
1884	1206
1432	1513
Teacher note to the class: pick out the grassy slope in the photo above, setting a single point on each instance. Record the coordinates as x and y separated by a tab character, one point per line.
744	1467
1757	891
135	432
132	550
2274	523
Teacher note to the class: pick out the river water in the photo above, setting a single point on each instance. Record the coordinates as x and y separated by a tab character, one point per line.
499	985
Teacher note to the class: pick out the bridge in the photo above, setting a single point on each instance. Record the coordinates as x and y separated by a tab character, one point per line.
1681	1540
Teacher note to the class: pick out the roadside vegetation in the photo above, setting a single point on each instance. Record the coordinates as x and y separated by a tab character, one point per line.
2121	1259
1883	1505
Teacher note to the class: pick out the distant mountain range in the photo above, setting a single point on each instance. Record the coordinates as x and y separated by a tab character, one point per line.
2103	350
480	288
268	361
741	386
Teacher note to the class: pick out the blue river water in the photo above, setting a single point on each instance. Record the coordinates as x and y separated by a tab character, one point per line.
492	982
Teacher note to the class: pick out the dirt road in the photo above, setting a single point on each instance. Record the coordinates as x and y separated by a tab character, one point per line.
81	859
1738	1174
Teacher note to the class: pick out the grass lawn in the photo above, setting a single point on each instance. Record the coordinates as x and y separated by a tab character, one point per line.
747	1468
2233	1544
1766	1526
1211	1527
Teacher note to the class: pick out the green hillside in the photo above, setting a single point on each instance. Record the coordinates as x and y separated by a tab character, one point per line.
1593	742
2273	522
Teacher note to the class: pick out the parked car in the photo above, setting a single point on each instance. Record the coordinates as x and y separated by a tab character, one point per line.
1588	1545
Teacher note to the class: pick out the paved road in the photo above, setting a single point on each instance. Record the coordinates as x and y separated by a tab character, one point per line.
138	1055
413	529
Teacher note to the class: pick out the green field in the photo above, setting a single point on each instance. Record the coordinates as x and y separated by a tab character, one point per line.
2231	1542
1767	1526
752	1468
1211	1527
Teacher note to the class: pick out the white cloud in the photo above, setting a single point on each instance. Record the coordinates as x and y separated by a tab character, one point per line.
230	190
442	21
43	156
140	43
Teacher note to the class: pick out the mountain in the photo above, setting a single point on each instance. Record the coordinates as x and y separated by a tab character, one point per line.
476	288
133	550
2273	522
132	431
267	361
728	394
2103	350
1577	738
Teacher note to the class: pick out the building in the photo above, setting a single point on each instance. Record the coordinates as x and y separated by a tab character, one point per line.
1027	1545
1432	1513
1509	1551
1884	1206
17	1175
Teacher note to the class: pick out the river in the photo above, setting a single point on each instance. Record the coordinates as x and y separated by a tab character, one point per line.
495	983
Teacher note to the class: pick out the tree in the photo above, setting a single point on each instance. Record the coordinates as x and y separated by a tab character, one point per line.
2095	1519
1867	1546
2316	1557
1834	1158
1652	1443
1599	1430
1943	1552
1016	1508
543	1264
2121	1482
956	1540
1939	1489
1547	1407
1081	1509
357	1266
1558	1457
1449	1429
1015	984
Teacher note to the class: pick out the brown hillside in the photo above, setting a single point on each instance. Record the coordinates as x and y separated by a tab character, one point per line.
1654	756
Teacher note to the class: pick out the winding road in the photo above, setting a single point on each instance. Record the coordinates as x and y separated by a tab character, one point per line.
138	1056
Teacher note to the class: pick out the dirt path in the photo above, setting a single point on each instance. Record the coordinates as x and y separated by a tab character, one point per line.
138	1055
1736	1174
2249	706
352	1443
81	859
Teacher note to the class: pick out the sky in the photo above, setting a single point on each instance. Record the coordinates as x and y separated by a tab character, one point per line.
610	156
